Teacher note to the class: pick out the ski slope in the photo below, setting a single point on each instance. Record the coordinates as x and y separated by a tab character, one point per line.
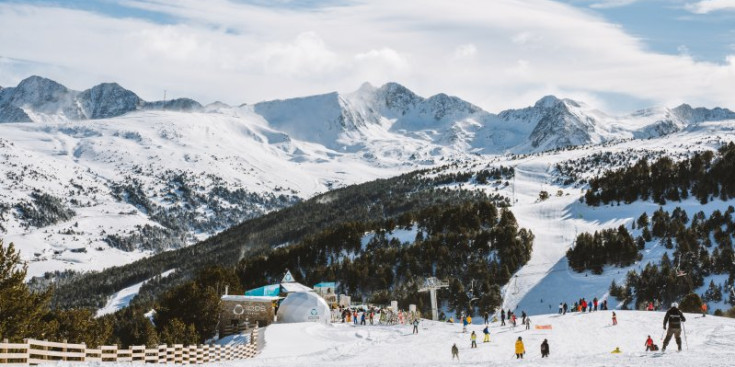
575	339
546	280
122	298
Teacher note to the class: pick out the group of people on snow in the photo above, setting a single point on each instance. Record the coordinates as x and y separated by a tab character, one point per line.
583	305
371	315
672	324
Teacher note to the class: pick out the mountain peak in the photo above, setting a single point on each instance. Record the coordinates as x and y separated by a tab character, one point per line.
108	100
547	102
366	87
398	97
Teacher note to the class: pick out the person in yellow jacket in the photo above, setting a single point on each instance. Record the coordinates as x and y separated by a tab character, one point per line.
473	338
520	350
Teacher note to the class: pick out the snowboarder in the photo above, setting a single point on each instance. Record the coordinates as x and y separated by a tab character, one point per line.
520	350
486	331
544	349
455	351
528	323
614	319
674	318
649	344
502	317
415	326
473	339
704	309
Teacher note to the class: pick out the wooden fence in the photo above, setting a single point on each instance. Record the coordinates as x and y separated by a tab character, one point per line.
34	352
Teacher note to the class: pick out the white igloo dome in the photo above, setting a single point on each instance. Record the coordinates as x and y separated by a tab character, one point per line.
303	307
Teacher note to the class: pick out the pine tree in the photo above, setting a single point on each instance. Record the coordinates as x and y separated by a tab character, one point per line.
20	309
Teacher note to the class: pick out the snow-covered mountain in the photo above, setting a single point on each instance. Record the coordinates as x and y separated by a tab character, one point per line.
145	177
40	99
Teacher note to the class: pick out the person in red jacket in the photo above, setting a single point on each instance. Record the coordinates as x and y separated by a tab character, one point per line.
649	344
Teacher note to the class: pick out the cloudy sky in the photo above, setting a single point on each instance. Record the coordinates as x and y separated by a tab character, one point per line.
617	55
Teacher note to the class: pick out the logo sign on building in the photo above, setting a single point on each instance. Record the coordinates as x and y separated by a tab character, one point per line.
314	315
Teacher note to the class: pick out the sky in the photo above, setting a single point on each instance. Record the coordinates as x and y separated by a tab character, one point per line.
616	55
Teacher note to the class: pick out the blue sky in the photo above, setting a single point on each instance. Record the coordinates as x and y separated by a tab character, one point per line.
667	26
617	54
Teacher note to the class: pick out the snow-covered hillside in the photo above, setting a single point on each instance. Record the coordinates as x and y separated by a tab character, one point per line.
122	188
574	339
546	280
101	177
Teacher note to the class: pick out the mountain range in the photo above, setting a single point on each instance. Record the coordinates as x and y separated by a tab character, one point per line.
101	177
344	121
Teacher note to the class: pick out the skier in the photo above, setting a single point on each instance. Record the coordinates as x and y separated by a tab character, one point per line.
649	344
650	306
528	323
561	308
566	307
455	351
464	324
486	331
544	349
486	317
614	319
415	326
704	309
520	350
594	301
502	317
523	317
362	318
473	339
674	318
513	319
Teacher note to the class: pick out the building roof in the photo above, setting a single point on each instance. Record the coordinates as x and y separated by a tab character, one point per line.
294	287
239	298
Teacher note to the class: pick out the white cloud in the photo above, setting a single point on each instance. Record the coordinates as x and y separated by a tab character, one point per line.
606	4
708	6
497	54
466	51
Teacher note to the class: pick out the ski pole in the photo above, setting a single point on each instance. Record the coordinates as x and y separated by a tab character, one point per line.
686	342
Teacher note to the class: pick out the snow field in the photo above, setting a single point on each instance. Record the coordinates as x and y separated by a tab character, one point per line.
576	339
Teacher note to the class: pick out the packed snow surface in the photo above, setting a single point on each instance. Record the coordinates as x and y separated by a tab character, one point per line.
575	339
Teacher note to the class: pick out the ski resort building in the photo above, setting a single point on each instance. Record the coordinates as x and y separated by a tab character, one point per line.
289	301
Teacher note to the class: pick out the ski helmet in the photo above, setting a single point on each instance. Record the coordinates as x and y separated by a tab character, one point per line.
674	304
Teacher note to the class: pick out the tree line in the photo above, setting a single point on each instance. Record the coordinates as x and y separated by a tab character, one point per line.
706	175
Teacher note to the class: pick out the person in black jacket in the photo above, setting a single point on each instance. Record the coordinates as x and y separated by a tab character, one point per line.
674	318
544	349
